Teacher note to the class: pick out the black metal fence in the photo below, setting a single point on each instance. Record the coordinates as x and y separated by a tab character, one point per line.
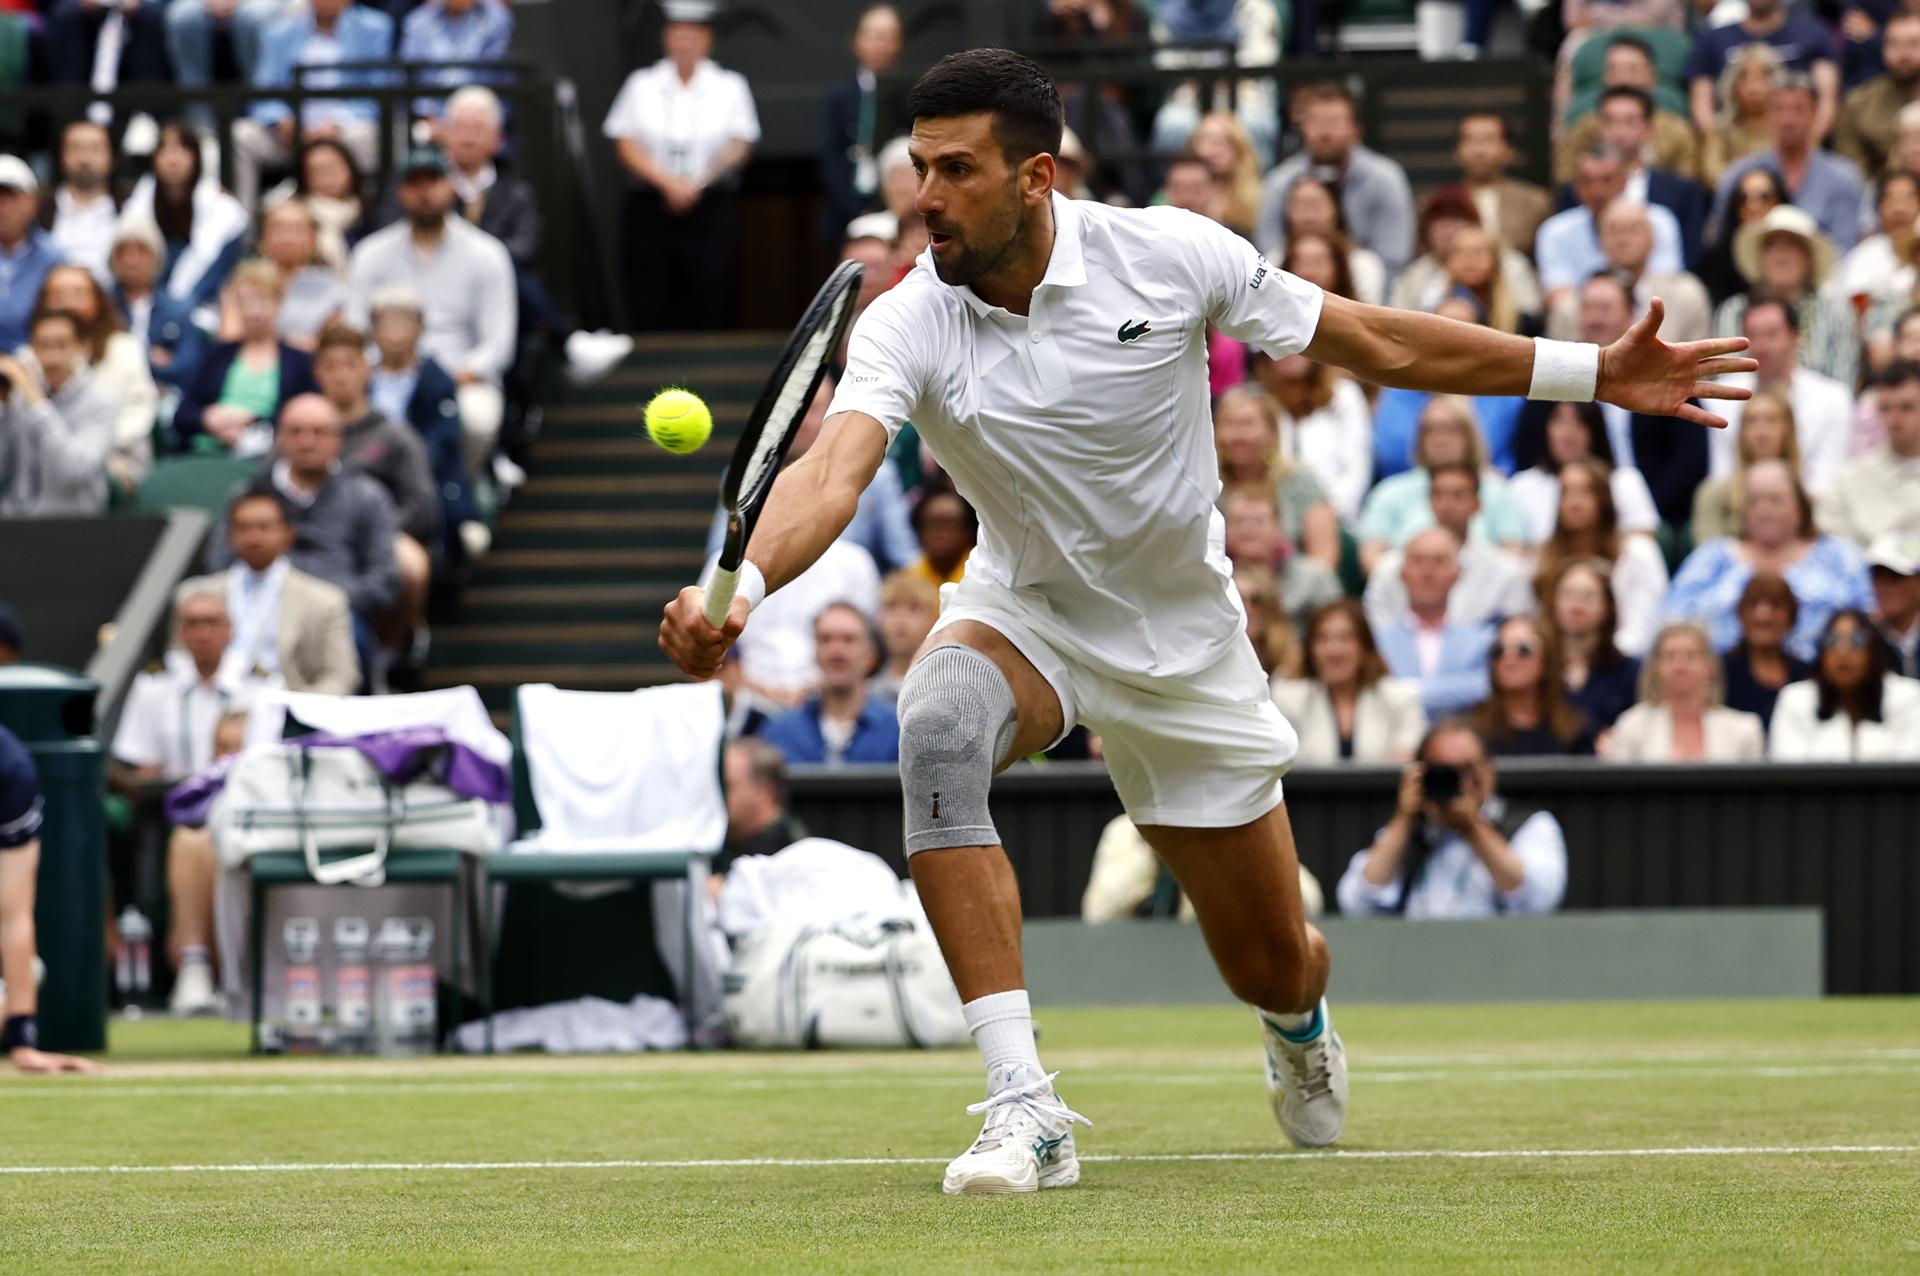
1845	839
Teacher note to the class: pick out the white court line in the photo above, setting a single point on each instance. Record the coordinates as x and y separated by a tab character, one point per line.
685	1082
763	1162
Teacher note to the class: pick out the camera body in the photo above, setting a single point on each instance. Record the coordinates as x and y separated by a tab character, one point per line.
1439	784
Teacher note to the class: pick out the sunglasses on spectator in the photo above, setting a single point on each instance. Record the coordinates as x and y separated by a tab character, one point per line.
1515	649
1858	640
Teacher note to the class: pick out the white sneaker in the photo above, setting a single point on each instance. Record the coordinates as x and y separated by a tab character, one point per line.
507	475
1026	1143
193	992
1307	1083
591	355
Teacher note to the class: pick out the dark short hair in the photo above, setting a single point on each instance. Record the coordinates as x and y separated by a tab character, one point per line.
338	336
1453	467
1027	116
1635	43
1899	372
1455	725
1886	183
1769	586
1624	92
1327	91
1761	300
918	516
766	765
259	494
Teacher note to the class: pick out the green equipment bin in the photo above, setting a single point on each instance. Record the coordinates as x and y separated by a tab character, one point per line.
51	710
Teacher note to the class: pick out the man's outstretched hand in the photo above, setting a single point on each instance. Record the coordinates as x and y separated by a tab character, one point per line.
1644	374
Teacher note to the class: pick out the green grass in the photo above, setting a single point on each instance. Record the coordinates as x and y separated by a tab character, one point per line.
1754	1075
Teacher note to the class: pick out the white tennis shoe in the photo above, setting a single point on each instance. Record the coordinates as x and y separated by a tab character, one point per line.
1307	1083
1026	1143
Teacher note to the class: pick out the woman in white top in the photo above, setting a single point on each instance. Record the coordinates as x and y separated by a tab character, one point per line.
683	129
1681	717
1588	526
1852	709
1551	435
1881	264
204	226
1346	708
118	366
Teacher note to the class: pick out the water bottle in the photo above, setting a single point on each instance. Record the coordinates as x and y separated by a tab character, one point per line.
352	986
302	936
409	1013
133	966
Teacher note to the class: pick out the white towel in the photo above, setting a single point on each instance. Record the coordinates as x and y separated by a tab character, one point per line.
456	710
590	1025
815	882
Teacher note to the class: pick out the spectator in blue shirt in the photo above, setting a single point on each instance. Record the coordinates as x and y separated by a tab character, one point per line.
1827	186
462	32
842	722
27	253
1803	43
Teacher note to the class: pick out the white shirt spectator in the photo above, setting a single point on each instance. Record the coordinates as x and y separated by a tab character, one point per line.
1387	721
1799	735
170	715
1454	883
85	231
1538	492
1644	733
684	126
1822	420
1336	444
776	650
1493	585
466	287
1568	247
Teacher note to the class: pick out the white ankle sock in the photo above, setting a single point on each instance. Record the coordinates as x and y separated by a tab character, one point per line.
1002	1026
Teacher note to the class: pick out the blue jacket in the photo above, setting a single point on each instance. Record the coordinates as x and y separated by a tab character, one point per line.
365	34
296	377
170	327
1396	425
876	735
22	287
434	414
1459	680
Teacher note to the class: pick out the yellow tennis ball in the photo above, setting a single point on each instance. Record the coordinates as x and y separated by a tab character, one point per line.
678	421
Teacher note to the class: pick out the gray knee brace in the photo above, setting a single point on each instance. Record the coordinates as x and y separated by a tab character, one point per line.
957	719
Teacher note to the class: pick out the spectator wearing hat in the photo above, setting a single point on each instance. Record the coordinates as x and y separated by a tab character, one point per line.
1822	407
1894	560
1626	123
1868	131
27	252
860	118
1878	492
1824	184
1626	236
56	427
1568	248
1785	257
1424	284
1629	64
1512	209
683	129
162	324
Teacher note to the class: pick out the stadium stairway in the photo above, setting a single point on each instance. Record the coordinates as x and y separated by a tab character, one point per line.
606	529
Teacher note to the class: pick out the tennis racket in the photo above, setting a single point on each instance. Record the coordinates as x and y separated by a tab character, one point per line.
770	429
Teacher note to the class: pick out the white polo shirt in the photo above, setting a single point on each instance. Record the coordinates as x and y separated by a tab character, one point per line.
684	126
170	717
1083	433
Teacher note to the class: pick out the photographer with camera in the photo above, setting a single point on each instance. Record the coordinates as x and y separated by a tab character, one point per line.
1455	848
56	428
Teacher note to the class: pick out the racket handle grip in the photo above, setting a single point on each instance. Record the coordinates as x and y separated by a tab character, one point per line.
720	591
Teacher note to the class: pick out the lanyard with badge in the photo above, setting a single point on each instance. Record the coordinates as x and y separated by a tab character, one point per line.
186	723
866	175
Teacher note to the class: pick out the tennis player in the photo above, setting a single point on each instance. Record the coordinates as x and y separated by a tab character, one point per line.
1053	354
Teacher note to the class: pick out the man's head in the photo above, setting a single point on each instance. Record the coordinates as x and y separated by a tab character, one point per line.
55	338
1894	558
1329	123
340	368
1626	235
1606	310
204	626
1453	492
138	248
86	157
1456	743
19	199
1900	47
1429	568
426	193
1482	148
1790	111
1772	331
1600	177
1626	121
986	125
398	318
1191	184
946	528
327	12
844	647
1628	64
756	778
258	530
309	435
1899	398
877	38
471	127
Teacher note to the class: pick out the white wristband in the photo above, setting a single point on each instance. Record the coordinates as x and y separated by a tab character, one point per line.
752	586
1564	371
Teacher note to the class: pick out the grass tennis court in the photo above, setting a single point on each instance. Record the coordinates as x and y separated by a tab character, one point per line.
1689	1136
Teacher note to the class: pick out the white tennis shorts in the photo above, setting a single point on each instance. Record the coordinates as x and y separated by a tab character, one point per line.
1204	750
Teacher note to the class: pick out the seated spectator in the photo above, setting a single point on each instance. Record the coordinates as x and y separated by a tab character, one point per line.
327	31
464	278
1493	583
1894	560
1743	124
56	427
27	252
1512	209
1826	574
343	521
1626	234
193	870
1757	193
313	293
1879	492
860	116
1828	187
1854	708
204	227
1190	184
1313	209
1626	124
1553	435
1803	43
1767	433
1822	407
1629	64
1374	194
1268	627
84	205
1254	537
1588	527
1879	268
909	605
1868	129
79	50
1899	343
1399	506
1454	848
1786	259
1325	425
1427	280
161	325
842	721
1759	664
1526	712
1223	142
192	24
777	665
243	384
408	386
1446	658
946	527
288	629
328	181
1569	248
166	729
1344	707
114	363
1600	680
462	34
1253	451
1681	716
759	821
1475	265
1323	258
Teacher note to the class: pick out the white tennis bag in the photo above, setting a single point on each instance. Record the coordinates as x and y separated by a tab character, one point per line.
288	797
812	986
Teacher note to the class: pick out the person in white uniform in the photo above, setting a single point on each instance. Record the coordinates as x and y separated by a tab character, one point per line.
1053	354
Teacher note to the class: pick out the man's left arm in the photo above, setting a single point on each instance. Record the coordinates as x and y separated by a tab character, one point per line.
498	305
